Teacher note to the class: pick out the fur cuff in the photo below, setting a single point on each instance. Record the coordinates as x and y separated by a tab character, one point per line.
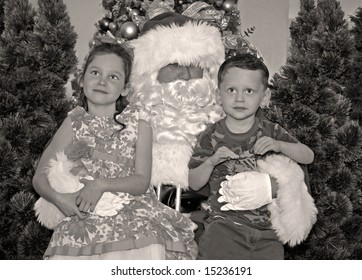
194	43
293	212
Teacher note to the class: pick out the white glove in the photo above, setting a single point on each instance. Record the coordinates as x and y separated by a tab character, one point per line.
109	204
245	191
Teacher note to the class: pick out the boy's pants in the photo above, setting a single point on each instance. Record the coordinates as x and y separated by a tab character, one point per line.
223	239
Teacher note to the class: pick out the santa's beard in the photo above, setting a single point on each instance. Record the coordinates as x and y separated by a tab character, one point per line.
180	110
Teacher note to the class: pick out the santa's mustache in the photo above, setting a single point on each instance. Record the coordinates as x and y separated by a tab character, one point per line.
196	93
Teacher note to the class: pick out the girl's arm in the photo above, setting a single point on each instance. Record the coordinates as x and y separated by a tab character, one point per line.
136	184
199	176
296	151
65	202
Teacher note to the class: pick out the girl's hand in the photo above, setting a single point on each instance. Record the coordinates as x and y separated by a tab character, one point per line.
66	204
89	195
266	144
222	154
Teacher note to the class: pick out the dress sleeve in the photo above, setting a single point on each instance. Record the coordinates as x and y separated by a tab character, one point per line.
77	111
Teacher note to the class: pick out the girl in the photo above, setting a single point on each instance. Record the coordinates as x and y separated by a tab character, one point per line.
120	141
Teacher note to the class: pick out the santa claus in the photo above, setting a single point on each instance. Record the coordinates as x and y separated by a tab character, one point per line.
174	74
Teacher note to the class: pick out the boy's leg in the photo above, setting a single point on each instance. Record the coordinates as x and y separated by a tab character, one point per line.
224	240
266	246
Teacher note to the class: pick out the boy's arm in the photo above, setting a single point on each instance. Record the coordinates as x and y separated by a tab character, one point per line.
296	151
199	176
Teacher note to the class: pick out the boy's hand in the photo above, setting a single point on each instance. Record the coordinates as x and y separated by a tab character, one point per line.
89	195
266	144
222	154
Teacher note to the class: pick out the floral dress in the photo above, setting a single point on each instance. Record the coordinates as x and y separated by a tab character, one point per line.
142	220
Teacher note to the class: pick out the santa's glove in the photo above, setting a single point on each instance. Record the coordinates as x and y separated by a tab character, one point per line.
245	191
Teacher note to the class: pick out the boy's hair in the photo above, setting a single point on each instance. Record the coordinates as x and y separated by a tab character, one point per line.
110	48
245	61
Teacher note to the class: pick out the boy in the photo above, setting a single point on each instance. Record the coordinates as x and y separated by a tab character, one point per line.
241	230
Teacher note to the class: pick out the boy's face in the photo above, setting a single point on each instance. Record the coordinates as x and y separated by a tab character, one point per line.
242	92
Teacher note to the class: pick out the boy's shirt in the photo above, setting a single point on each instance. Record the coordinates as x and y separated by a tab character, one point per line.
218	135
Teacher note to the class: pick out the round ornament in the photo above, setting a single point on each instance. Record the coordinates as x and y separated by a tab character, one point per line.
134	12
228	5
104	23
129	30
113	28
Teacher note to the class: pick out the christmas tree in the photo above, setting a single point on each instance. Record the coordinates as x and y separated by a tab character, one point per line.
309	101
354	87
2	2
36	57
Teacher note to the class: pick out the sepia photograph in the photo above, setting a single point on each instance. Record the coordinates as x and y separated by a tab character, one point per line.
223	133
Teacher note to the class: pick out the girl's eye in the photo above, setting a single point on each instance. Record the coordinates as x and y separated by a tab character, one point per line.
249	91
94	72
114	77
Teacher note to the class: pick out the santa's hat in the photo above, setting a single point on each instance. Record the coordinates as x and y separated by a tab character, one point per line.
174	38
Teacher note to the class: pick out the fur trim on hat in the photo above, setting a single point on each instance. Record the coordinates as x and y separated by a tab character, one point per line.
194	43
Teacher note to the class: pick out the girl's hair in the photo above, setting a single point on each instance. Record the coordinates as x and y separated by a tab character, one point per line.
245	61
110	48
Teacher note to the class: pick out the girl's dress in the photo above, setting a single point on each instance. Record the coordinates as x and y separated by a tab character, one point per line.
144	228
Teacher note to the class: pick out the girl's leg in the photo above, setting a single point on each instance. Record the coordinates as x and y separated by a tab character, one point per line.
151	252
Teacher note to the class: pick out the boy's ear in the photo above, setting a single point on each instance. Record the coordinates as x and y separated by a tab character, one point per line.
266	98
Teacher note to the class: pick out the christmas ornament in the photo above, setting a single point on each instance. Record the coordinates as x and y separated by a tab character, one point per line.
129	30
134	12
122	18
104	23
113	28
228	5
219	3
